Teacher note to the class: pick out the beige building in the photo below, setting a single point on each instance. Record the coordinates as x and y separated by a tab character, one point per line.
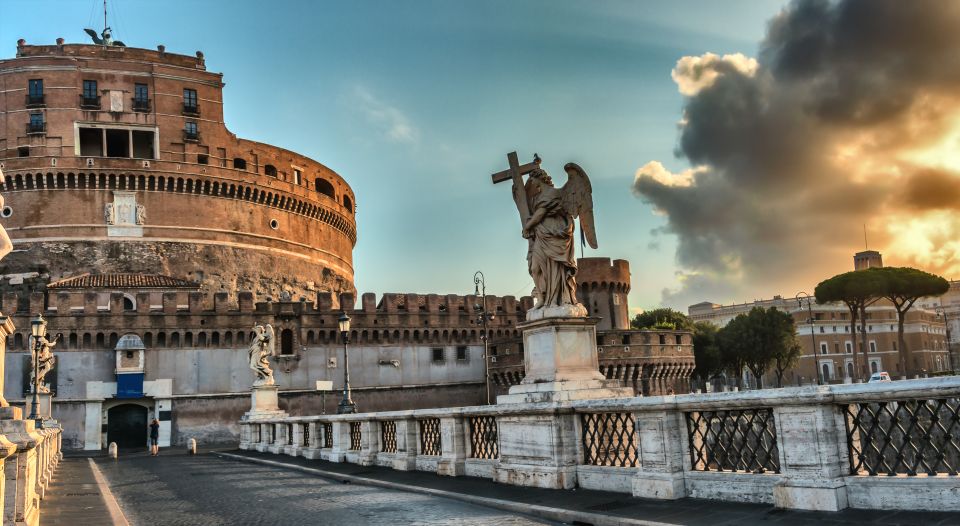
827	342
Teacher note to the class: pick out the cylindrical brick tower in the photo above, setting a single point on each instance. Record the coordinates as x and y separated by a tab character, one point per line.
117	160
602	288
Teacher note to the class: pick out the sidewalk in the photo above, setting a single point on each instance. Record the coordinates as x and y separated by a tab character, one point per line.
592	507
75	496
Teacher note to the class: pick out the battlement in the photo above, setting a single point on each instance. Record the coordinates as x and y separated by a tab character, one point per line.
93	51
602	273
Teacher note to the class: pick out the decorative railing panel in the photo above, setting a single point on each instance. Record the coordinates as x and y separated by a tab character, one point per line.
904	436
430	437
289	434
306	435
483	437
327	434
388	436
356	434
741	440
609	439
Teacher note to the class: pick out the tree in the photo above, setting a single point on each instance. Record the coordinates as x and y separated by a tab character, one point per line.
857	290
758	339
706	351
786	357
733	343
663	318
903	286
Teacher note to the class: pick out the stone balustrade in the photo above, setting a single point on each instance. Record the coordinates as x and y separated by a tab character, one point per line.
30	455
877	446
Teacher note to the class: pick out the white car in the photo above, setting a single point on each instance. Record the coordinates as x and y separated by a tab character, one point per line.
879	377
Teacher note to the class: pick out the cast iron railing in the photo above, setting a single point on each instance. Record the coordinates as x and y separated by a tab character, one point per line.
742	440
192	109
483	437
35	101
609	439
306	435
430	437
289	434
904	436
36	128
388	436
355	435
92	103
141	104
327	434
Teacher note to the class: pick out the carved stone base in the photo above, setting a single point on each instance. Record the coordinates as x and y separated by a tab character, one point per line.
44	408
264	404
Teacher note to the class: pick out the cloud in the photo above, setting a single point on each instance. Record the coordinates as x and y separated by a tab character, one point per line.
388	120
796	151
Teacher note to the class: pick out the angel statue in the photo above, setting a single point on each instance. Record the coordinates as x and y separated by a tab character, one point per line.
547	214
262	345
45	362
105	38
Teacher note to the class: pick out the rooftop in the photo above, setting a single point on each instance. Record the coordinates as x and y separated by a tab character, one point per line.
122	281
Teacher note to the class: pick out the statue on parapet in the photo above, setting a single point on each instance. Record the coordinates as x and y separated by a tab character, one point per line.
547	214
45	362
262	346
105	38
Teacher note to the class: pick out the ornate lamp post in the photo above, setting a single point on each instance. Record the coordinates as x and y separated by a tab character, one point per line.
813	337
346	405
942	314
480	290
38	328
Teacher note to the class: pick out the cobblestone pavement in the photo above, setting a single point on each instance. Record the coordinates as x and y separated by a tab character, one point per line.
73	496
177	489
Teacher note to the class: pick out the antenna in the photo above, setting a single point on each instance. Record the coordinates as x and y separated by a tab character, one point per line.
865	245
104	15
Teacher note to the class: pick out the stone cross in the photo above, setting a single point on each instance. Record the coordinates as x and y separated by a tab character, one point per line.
516	173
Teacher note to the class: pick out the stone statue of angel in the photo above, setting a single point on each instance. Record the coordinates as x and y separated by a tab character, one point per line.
45	362
109	214
141	215
262	346
549	228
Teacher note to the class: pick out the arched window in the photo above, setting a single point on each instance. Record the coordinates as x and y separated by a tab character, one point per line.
286	341
161	339
873	366
826	372
239	163
324	187
73	340
129	303
270	170
100	340
850	369
347	203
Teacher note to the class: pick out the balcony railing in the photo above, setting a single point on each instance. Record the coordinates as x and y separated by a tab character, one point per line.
90	103
36	128
191	136
35	101
191	109
141	104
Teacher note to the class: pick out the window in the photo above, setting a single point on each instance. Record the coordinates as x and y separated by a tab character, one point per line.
286	341
118	143
324	187
141	97
190	132
270	170
873	347
36	123
663	339
849	347
91	142
836	348
143	144
297	177
823	329
826	372
190	104
202	159
128	306
679	339
437	354
894	346
823	348
34	92
462	353
625	339
90	98
239	163
23	151
347	203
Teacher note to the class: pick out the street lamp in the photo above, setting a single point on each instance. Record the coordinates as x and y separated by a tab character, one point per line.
38	328
480	289
813	337
946	324
346	405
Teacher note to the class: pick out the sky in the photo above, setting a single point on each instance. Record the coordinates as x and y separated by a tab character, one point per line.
737	149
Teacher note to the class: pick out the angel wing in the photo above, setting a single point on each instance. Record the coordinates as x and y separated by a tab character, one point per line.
119	43
93	34
269	336
577	197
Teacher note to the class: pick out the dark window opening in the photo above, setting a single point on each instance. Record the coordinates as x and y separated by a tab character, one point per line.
493	350
437	354
90	98
35	92
91	142
286	341
270	170
190	132
462	352
36	124
297	177
324	187
118	143
141	97
625	339
239	164
127	304
663	339
679	339
143	145
190	104
23	151
347	203
202	159
129	354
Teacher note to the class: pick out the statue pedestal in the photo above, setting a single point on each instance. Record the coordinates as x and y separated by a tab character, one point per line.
561	363
263	404
44	408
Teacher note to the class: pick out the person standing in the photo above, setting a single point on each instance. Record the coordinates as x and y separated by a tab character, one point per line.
154	437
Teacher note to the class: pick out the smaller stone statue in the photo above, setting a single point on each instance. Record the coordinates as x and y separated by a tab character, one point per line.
108	214
46	360
141	214
262	345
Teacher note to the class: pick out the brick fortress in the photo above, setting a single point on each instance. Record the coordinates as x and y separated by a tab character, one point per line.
153	239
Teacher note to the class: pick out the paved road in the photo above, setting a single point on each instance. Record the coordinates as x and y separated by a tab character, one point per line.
176	489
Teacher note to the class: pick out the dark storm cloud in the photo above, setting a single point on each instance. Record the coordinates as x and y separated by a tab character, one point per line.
798	149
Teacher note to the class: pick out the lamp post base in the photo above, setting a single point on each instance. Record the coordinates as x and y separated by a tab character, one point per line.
346	407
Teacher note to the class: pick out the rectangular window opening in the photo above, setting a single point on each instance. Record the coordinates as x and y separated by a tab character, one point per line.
462	352
23	151
437	354
91	142
143	145
118	143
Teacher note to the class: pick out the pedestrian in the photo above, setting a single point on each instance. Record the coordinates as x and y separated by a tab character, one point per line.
154	437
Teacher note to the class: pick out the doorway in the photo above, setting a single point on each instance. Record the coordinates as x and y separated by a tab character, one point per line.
127	426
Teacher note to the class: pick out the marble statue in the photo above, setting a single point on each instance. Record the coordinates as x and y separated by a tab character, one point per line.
141	214
262	346
108	214
547	214
105	38
45	362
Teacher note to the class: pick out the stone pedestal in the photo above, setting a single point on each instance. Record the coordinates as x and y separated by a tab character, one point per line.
561	363
263	406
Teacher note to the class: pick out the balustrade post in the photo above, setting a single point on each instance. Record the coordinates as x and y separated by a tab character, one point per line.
279	438
660	437
538	450
244	436
369	443
812	451
405	459
341	441
312	451
296	447
453	447
266	436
